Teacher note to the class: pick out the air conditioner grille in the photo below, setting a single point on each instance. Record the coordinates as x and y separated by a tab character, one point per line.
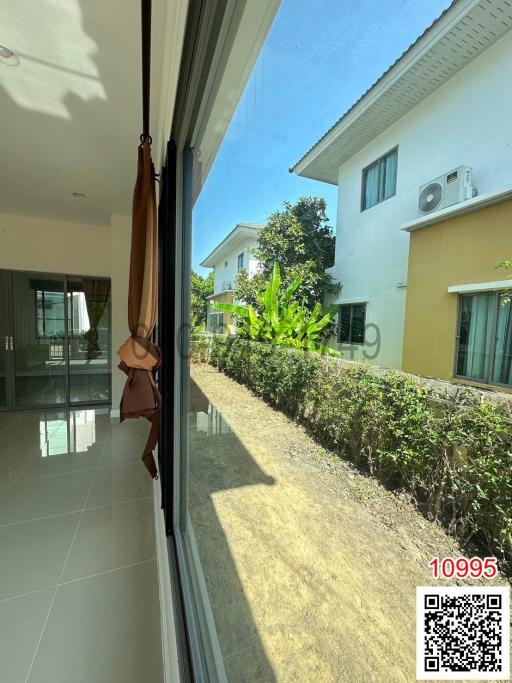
431	197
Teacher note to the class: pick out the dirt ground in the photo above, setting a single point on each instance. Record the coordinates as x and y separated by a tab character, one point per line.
311	566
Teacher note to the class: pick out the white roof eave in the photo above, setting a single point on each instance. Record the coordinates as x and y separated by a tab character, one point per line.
322	161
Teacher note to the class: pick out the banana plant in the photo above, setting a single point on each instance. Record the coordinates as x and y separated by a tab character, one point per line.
282	320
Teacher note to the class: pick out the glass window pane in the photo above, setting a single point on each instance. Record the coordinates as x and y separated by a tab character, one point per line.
4	339
89	344
476	336
39	331
344	324
464	325
390	174
371	186
358	319
260	519
502	372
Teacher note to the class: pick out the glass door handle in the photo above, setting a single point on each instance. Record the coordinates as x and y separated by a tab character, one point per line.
12	343
7	343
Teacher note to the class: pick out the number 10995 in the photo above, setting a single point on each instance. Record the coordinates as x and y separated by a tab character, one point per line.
462	568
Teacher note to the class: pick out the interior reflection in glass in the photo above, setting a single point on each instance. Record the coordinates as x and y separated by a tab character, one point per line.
210	423
73	433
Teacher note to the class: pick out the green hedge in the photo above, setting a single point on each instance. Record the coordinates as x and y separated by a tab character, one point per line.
455	457
200	348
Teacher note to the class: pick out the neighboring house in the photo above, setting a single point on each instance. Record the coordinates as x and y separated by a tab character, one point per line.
445	103
455	323
227	260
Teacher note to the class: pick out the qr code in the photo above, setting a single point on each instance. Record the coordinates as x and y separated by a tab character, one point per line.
463	633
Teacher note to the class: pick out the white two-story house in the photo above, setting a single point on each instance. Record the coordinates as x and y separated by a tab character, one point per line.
227	259
445	103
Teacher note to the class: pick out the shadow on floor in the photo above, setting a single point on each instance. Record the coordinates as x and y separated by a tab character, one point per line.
219	466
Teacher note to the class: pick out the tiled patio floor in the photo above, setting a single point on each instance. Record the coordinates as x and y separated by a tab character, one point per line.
78	574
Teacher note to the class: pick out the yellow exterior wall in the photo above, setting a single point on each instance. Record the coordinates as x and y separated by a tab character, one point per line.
460	250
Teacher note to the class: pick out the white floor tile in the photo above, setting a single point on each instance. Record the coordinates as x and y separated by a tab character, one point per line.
32	554
32	498
21	622
122	452
42	466
111	537
123	483
105	629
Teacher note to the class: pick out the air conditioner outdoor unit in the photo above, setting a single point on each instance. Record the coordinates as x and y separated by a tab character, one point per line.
450	188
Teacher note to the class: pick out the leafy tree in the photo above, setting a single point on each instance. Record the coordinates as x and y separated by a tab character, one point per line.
282	320
200	289
506	297
300	240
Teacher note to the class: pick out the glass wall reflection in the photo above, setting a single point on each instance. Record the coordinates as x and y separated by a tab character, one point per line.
39	333
89	342
67	433
4	340
62	340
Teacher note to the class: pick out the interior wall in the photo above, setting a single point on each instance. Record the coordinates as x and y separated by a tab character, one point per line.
42	244
52	246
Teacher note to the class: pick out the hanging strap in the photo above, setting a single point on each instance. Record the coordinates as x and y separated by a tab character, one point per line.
146	65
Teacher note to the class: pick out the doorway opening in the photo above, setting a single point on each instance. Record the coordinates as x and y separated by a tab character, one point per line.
56	334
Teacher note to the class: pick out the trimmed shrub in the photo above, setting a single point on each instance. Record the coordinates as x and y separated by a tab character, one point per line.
455	457
200	348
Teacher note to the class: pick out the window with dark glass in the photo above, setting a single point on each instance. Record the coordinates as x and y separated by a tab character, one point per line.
49	314
351	322
484	350
379	180
240	261
216	323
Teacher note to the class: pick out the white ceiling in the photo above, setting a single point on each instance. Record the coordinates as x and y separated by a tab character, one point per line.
71	110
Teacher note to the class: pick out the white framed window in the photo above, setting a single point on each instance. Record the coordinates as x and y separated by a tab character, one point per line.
351	323
379	180
216	323
484	339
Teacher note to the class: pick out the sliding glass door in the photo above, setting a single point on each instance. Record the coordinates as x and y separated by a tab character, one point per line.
40	362
89	342
56	340
5	339
484	352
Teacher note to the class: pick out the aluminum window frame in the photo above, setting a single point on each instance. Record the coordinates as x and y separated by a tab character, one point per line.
364	175
481	382
211	30
351	306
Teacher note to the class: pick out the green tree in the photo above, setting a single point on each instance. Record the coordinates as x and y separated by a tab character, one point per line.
300	240
506	296
281	319
200	289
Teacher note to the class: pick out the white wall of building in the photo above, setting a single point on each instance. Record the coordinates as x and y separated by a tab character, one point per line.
465	122
226	268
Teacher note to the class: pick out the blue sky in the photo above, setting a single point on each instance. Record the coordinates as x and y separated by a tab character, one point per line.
319	57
